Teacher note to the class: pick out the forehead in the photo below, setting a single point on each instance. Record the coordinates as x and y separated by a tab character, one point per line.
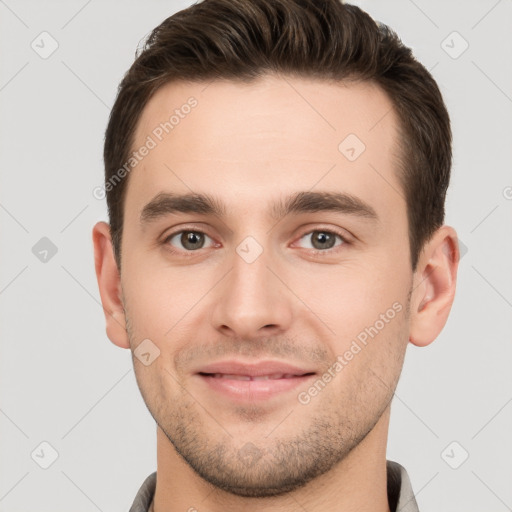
274	134
329	109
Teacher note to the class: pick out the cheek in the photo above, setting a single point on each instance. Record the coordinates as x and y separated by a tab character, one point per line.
371	359
151	381
351	295
365	309
161	298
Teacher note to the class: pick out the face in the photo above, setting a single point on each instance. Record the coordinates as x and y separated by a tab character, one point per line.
275	294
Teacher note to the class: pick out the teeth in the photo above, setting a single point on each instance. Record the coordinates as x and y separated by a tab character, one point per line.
248	377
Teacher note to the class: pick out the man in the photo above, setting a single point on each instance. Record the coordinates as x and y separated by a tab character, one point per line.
276	172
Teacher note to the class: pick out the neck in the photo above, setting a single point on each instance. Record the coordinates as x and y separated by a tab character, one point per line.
357	483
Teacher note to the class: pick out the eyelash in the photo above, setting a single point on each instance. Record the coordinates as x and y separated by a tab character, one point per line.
316	252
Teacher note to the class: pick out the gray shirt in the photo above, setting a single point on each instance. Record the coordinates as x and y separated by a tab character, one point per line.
400	495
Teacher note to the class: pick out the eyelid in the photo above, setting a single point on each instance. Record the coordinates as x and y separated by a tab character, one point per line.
179	229
343	234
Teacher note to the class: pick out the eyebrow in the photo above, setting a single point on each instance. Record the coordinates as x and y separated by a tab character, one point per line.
166	203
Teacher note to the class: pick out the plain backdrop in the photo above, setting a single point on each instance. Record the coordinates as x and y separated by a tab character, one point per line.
64	384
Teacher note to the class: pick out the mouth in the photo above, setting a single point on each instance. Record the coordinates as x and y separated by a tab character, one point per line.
273	376
253	382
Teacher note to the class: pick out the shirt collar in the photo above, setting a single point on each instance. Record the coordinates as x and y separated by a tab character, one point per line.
400	495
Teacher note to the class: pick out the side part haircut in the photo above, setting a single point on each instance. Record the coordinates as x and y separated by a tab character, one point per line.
242	40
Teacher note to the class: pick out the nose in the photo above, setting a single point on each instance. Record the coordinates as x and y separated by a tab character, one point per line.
252	301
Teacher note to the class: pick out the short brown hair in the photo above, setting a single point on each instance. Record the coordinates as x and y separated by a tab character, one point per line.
241	40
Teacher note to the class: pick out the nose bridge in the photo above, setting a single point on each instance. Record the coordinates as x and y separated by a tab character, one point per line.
251	297
250	276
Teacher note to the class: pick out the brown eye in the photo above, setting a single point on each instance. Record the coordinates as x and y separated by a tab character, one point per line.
192	240
189	240
321	240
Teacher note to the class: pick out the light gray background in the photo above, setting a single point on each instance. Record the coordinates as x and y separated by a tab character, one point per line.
63	382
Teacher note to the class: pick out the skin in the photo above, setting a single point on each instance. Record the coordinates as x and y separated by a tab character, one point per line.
249	145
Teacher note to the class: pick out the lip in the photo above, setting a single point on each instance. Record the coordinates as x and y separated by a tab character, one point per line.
253	382
254	369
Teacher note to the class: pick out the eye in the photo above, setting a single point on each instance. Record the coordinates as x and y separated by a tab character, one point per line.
189	240
322	240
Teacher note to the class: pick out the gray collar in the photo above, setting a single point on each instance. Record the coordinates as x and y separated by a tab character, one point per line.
400	495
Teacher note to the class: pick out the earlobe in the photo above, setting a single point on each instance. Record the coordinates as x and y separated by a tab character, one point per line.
109	284
434	286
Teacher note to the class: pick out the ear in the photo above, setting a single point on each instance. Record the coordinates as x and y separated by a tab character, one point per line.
109	283
434	286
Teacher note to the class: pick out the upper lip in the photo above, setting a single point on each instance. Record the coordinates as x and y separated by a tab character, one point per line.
258	369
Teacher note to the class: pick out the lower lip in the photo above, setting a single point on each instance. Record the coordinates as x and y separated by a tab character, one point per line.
250	390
